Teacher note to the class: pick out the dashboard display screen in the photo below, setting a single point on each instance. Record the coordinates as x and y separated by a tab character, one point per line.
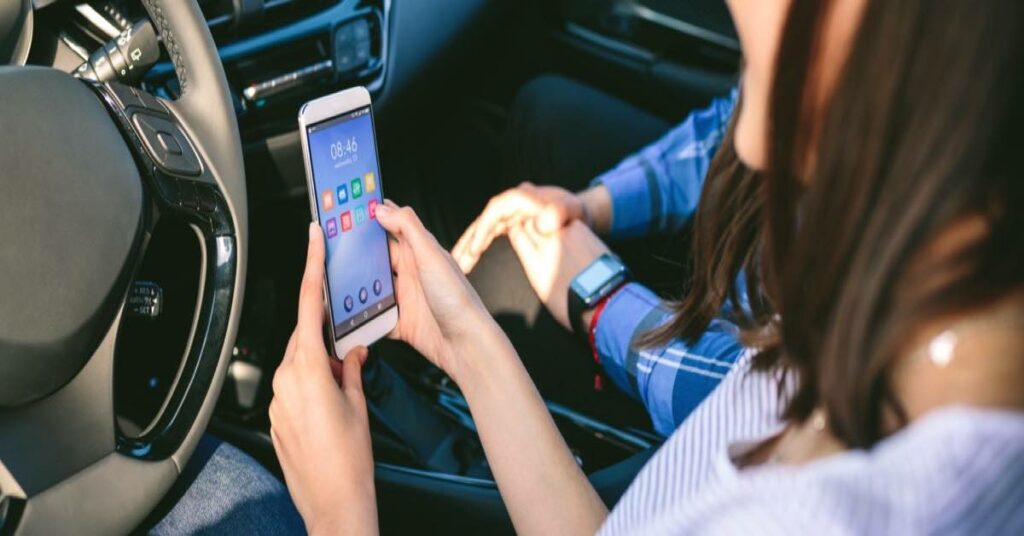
346	176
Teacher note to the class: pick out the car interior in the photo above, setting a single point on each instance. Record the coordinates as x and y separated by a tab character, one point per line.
153	206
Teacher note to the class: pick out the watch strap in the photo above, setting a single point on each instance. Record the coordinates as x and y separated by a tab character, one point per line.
576	309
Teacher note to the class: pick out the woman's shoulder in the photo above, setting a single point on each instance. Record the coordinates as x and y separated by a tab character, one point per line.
956	470
745	406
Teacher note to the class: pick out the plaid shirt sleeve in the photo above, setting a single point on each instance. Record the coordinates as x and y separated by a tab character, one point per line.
670	380
657	188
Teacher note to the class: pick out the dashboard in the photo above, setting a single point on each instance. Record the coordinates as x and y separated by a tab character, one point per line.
276	54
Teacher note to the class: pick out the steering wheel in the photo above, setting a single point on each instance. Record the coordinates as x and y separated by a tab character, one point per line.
88	170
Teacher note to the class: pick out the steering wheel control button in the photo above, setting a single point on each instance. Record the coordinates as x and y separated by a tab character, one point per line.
207	198
167	144
150	102
129	97
145	300
186	195
126	96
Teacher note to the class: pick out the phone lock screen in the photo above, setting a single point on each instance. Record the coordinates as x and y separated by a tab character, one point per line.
348	190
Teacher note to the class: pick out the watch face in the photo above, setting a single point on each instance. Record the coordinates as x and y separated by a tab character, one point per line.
594	277
598	278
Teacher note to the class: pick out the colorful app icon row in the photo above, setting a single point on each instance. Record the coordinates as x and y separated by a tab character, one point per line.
359	215
350	304
357	187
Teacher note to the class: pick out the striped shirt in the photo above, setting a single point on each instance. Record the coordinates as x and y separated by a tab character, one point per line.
657	190
956	470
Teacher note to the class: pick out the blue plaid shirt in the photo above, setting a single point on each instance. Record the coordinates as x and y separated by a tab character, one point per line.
657	190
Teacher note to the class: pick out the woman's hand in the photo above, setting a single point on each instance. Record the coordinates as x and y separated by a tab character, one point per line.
318	419
551	261
549	208
441	316
439	312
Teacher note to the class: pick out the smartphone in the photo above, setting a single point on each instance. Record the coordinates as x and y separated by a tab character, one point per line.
345	189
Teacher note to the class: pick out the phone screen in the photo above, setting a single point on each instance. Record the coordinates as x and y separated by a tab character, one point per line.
346	176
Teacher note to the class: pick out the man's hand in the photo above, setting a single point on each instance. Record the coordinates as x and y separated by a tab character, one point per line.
546	208
551	261
318	419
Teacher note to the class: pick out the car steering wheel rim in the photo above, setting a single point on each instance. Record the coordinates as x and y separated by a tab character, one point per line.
87	178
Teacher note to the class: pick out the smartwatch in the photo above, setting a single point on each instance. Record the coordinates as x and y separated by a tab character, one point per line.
596	282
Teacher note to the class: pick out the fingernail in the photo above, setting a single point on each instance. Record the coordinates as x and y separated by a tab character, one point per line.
313	229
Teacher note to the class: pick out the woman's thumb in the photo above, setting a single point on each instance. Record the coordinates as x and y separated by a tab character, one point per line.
352	370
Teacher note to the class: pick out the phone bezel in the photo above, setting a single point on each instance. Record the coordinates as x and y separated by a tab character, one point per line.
313	112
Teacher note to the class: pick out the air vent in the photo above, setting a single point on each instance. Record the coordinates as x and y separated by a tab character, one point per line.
230	20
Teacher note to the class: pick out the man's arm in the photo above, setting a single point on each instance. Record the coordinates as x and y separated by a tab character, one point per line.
658	188
670	380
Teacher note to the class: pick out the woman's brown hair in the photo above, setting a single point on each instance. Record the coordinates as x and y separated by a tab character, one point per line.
920	132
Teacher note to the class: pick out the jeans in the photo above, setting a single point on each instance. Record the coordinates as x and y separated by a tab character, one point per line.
224	491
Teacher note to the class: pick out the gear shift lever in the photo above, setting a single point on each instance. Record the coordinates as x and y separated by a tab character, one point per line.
432	439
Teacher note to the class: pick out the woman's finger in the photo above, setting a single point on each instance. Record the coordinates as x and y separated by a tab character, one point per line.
311	307
337	370
404	224
394	252
352	375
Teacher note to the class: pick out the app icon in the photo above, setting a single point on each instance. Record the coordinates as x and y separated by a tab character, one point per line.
360	215
349	304
363	295
357	188
342	194
369	182
371	207
346	221
328	200
377	287
332	228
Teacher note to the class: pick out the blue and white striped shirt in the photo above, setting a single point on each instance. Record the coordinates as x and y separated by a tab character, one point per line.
957	470
657	190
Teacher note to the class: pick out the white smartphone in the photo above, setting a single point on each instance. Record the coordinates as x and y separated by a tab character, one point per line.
344	182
